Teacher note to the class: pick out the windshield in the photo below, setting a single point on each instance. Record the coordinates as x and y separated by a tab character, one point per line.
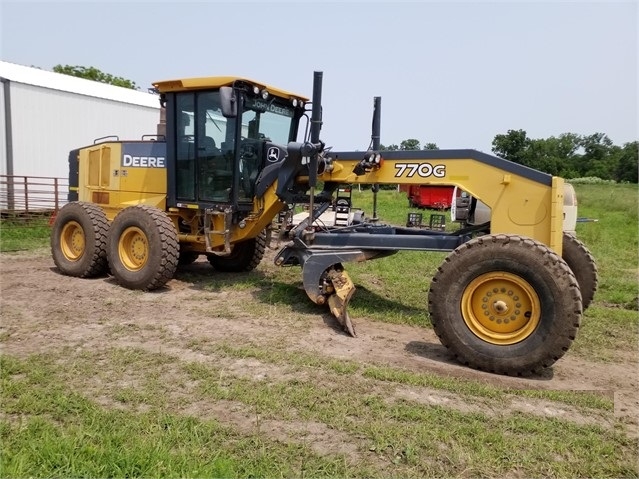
270	119
208	161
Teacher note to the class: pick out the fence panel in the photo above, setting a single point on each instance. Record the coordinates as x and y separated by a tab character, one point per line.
24	196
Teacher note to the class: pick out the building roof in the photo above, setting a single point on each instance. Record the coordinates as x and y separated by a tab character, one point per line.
57	81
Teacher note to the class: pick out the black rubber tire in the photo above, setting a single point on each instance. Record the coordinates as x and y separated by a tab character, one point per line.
78	240
523	261
245	256
583	266
142	248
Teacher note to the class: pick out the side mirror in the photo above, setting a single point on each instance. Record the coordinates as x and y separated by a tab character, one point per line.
229	102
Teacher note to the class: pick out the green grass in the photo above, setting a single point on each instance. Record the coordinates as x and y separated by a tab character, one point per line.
613	239
24	234
49	427
49	430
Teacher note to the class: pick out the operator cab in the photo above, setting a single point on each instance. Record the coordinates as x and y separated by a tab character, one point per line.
221	132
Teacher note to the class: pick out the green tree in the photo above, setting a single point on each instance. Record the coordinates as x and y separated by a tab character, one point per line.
513	146
392	147
410	144
628	163
540	154
565	149
556	156
92	73
597	159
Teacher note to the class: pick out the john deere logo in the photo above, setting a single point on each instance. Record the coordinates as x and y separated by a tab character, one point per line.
144	161
273	154
148	154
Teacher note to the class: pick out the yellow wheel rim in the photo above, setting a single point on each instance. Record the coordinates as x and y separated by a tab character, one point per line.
501	308
72	241
133	248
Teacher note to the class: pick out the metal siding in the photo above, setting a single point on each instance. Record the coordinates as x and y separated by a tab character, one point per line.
3	138
47	124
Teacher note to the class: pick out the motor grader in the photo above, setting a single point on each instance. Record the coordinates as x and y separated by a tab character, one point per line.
226	164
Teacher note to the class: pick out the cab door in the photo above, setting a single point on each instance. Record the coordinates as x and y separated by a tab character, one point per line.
204	152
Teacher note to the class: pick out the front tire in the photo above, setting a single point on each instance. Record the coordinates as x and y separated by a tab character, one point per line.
505	304
78	240
245	256
142	248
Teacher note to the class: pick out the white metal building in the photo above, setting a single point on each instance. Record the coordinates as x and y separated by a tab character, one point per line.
47	114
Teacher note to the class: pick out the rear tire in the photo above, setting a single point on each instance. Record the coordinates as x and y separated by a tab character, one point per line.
583	266
78	240
505	304
142	248
245	256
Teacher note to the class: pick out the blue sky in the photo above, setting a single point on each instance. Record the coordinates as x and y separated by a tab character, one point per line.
452	73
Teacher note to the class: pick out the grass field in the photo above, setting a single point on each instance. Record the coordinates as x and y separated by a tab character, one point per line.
118	409
24	234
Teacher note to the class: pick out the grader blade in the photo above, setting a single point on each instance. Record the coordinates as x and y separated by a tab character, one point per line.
338	301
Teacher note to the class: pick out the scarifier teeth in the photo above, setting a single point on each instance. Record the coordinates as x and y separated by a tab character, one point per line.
338	309
338	301
348	325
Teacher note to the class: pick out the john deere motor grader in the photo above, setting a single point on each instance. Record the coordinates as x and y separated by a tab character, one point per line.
225	163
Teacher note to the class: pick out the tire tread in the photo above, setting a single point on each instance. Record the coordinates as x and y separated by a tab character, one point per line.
167	261
95	263
439	292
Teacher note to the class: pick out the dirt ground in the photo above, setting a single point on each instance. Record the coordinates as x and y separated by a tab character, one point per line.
45	311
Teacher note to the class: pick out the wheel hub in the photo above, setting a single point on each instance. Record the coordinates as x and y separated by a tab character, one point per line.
72	241
133	248
500	308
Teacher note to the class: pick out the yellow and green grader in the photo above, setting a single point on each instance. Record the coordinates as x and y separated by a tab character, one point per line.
226	163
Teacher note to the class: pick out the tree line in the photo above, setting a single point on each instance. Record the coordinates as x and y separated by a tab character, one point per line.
569	155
